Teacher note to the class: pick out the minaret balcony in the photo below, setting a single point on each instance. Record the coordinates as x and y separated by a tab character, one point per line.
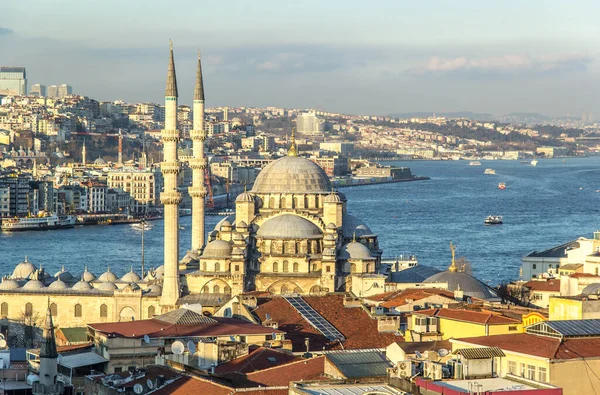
172	197
197	163
198	135
197	192
170	135
170	167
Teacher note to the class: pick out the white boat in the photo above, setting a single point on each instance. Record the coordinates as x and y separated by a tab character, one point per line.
475	163
493	220
46	222
534	162
141	225
489	171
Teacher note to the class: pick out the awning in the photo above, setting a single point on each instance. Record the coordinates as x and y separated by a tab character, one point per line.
480	353
83	359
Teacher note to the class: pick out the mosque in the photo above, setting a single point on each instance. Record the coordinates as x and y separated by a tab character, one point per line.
290	234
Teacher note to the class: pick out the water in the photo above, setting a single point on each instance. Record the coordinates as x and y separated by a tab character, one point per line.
542	206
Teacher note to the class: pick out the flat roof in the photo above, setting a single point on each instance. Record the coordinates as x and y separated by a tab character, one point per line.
347	389
492	384
82	359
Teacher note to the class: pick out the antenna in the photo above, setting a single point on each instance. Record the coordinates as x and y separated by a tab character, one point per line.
146	339
138	388
191	347
177	347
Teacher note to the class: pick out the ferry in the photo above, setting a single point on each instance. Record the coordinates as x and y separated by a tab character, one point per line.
502	186
475	163
489	171
493	220
46	222
534	162
141	226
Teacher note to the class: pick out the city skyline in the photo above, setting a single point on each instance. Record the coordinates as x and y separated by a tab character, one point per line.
402	57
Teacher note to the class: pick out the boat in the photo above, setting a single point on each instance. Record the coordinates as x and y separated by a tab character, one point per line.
475	163
44	222
534	162
489	171
181	227
502	186
141	225
493	220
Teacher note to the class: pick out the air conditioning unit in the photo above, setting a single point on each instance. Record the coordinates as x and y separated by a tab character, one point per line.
405	369
433	370
458	371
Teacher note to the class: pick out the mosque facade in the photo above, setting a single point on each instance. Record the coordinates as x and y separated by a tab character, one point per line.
291	233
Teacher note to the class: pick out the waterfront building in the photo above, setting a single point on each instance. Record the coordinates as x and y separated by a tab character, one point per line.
95	196
13	81
397	173
142	185
18	184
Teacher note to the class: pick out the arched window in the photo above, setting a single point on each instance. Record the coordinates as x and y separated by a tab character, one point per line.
314	269
103	311
151	311
369	268
295	202
306	202
283	202
275	267
217	267
203	266
28	310
286	267
272	202
227	289
297	290
4	309
295	266
205	289
285	289
77	310
53	310
353	268
216	289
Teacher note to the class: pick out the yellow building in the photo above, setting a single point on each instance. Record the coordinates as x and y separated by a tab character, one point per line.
580	307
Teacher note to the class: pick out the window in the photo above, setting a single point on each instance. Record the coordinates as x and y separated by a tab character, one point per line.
151	311
539	296
203	266
118	369
286	266
217	267
227	289
237	268
216	289
53	309
353	268
275	267
512	367
543	378
512	328
285	290
205	289
328	269
4	309
534	266
531	372
28	310
77	310
295	267
103	311
522	366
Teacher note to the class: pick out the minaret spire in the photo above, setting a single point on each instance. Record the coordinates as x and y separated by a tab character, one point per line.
293	151
48	368
48	349
171	90
199	88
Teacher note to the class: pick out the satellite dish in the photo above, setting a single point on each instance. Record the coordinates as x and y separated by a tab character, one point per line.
2	343
150	384
177	347
418	354
146	339
59	358
138	388
232	338
268	316
442	352
273	335
191	347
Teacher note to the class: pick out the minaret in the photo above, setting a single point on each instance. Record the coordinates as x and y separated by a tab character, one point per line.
170	197
48	371
198	164
83	153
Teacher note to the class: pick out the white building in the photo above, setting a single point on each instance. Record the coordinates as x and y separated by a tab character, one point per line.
308	123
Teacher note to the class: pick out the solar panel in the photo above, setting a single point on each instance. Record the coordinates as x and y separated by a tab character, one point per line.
570	328
314	318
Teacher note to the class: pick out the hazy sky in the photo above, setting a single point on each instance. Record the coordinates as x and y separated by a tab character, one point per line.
371	57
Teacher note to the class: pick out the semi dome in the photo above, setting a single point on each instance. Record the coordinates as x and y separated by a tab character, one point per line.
356	250
24	269
107	276
34	285
82	286
63	275
217	249
107	286
8	284
292	174
58	284
131	277
289	226
466	283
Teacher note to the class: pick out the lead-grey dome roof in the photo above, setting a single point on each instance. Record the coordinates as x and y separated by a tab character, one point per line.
108	276
468	284
217	249
591	289
289	226
58	284
33	285
82	286
292	174
353	226
24	269
356	250
9	283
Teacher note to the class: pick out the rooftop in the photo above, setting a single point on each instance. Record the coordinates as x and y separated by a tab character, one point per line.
360	363
259	359
550	285
478	317
559	251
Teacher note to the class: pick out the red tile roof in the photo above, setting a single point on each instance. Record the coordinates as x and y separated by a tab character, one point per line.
478	317
259	359
156	328
578	275
359	329
541	346
305	369
408	295
547	285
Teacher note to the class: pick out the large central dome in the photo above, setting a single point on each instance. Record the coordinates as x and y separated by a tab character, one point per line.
292	174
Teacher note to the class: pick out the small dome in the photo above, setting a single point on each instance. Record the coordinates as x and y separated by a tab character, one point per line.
87	276
8	284
131	277
64	275
155	288
244	197
107	286
132	287
356	250
242	225
332	198
292	174
329	238
460	280
24	269
591	289
107	276
331	226
353	226
217	249
33	285
237	251
238	237
226	224
289	226
82	286
160	269
58	284
100	161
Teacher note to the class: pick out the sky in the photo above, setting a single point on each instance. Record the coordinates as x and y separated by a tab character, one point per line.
359	57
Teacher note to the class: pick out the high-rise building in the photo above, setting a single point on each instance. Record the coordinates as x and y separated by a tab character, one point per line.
53	91
38	90
13	81
65	90
308	123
